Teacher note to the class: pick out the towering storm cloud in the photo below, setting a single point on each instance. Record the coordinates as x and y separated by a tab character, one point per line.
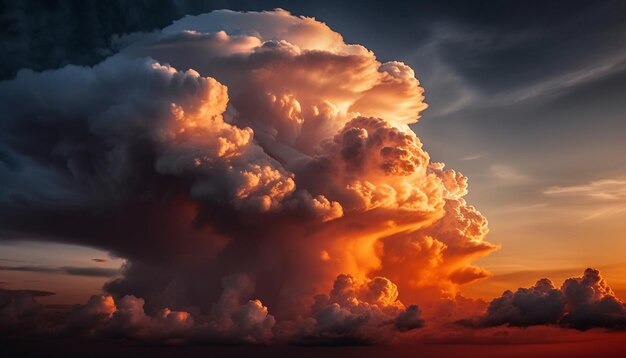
258	174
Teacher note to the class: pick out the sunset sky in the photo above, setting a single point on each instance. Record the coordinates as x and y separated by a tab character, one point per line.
272	176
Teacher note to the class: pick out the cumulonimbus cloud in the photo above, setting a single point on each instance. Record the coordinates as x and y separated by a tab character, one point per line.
582	303
256	145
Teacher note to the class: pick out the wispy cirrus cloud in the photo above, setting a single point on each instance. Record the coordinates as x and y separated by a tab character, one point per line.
453	86
508	175
590	200
473	157
597	198
610	189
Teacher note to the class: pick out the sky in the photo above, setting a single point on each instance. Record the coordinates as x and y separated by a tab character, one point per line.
525	99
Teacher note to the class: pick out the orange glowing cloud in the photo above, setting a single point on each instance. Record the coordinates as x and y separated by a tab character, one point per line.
280	163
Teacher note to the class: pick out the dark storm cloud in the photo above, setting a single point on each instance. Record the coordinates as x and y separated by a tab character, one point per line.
67	270
410	319
592	303
33	293
167	169
581	303
540	304
19	311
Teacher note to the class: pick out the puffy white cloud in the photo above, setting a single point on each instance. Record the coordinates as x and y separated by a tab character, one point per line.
304	32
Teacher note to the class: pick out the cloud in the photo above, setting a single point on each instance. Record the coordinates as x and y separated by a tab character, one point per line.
356	311
67	270
592	303
508	175
473	157
232	145
540	304
104	316
601	190
466	63
595	199
564	83
236	317
19	311
581	303
86	317
34	293
352	310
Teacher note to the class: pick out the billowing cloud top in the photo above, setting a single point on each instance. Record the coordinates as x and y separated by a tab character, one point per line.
582	303
241	163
